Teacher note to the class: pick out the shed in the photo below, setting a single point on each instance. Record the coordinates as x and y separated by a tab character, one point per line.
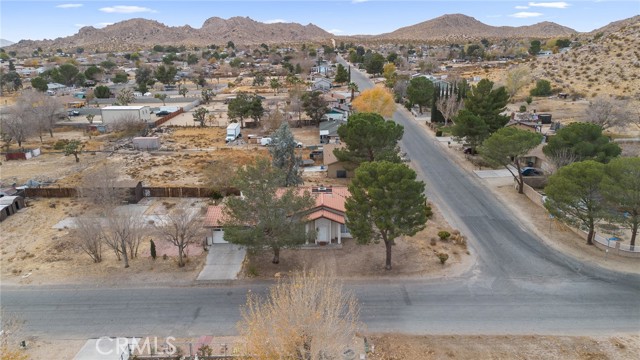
335	167
9	205
146	143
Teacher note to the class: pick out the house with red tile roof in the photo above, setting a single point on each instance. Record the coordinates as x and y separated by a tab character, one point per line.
327	217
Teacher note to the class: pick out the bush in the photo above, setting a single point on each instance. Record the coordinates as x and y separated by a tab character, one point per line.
523	108
439	133
61	144
529	100
443	257
443	235
252	271
433	241
543	88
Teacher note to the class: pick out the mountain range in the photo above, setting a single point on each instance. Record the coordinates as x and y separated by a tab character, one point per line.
141	33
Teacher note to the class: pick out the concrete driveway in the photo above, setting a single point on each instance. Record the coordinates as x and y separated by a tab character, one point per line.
224	262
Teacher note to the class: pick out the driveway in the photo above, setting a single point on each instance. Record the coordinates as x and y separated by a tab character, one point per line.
224	262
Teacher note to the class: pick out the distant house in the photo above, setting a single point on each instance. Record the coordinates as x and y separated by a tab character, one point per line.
336	169
326	217
329	131
321	84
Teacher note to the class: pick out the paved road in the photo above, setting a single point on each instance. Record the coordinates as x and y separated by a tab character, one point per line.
518	285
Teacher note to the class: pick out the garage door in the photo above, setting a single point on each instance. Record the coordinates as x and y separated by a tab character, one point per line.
218	237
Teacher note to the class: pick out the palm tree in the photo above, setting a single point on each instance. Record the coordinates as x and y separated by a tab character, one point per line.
353	87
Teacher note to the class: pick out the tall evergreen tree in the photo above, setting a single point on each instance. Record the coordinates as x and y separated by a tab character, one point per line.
488	103
283	154
386	202
266	216
369	137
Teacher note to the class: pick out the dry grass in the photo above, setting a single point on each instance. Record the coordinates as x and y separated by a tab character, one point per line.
401	347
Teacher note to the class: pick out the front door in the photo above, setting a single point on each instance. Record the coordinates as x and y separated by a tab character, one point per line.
323	233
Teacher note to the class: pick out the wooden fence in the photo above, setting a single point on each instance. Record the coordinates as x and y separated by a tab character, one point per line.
135	193
166	118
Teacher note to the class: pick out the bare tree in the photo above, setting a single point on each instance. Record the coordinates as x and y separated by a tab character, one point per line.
48	112
449	106
608	113
125	97
128	125
295	102
181	227
19	122
137	231
309	316
124	232
90	237
516	79
101	187
562	157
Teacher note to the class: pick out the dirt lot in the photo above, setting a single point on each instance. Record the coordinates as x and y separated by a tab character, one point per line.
401	347
33	252
415	347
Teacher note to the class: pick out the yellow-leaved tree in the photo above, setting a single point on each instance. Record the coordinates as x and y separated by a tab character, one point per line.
375	100
308	316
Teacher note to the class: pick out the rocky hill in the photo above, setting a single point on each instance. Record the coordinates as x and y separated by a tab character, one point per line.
136	33
606	62
458	27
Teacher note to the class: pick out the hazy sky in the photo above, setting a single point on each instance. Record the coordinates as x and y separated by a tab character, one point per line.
37	20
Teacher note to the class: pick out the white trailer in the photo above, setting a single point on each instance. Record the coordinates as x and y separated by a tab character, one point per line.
114	114
233	131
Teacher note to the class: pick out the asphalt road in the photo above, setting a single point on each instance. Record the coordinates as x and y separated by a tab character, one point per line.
517	285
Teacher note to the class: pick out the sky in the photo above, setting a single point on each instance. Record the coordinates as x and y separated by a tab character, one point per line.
37	20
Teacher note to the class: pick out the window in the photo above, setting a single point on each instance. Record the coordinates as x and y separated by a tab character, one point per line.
344	229
341	174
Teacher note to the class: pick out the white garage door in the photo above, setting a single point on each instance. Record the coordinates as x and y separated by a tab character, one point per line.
218	237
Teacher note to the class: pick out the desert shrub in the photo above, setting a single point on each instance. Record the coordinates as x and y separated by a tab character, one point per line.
543	88
443	257
439	133
443	235
433	241
61	144
529	100
523	108
252	271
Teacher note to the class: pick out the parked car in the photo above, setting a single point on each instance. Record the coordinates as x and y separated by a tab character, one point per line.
530	171
73	113
162	113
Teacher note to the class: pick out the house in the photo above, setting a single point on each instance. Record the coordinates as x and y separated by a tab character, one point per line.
537	159
9	205
327	217
329	131
321	84
336	168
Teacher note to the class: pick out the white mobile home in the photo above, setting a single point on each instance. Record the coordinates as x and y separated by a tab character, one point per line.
113	114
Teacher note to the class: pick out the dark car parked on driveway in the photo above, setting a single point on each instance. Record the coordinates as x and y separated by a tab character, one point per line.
529	171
